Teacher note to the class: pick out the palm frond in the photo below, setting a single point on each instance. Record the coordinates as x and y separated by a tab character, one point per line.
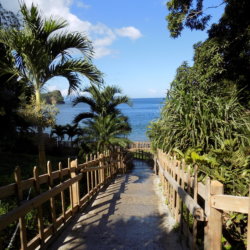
71	68
82	116
60	43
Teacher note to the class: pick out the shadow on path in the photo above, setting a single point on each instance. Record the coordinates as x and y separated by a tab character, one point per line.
126	215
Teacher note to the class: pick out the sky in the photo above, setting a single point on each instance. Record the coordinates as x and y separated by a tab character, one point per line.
132	45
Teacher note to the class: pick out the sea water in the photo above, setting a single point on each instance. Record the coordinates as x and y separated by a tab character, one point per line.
140	114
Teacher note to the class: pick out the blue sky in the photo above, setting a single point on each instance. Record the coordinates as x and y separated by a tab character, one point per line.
133	46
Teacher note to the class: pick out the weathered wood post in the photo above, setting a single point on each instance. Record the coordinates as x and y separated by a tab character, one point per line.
189	243
91	175
207	213
196	200
62	193
155	164
214	224
52	199
248	223
75	186
87	174
101	165
22	224
182	172
95	174
40	211
118	169
177	211
70	187
123	162
174	193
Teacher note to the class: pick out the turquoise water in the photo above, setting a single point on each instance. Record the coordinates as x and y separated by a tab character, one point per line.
140	114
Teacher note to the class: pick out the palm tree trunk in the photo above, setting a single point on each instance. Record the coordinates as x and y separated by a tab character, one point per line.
41	145
41	150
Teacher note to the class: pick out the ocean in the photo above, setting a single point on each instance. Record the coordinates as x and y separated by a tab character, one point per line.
140	114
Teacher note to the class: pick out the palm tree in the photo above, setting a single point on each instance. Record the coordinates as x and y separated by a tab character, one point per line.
104	133
71	131
104	126
42	51
60	131
102	101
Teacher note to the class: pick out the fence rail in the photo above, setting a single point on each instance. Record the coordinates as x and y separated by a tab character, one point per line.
139	145
81	181
204	202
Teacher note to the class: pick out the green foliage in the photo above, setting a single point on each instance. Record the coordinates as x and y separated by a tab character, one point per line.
104	133
233	36
196	116
12	93
183	13
230	165
102	100
43	116
72	130
40	51
104	125
236	228
230	36
59	130
205	119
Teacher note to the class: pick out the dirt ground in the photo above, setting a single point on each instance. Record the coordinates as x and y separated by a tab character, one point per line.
129	214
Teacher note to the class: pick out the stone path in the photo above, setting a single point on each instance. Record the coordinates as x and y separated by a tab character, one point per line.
129	214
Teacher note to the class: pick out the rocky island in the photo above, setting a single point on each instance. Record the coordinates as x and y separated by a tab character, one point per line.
53	97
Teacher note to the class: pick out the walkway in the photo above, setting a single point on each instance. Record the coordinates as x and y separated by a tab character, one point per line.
129	214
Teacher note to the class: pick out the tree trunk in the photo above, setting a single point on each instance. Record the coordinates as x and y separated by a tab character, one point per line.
41	151
41	145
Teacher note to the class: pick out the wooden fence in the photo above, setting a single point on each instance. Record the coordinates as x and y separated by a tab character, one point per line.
197	207
139	145
76	184
141	150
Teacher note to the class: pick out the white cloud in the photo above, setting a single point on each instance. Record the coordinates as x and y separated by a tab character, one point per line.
152	91
130	32
101	35
102	51
64	92
83	5
51	88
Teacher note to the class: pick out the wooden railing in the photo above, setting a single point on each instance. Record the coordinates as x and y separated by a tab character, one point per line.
141	150
197	207
139	145
65	191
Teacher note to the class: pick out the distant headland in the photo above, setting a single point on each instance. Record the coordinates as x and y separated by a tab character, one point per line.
53	97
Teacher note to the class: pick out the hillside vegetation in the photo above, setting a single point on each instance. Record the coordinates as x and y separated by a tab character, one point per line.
53	97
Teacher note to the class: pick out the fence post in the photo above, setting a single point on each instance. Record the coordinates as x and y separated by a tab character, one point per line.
52	200
88	183
182	169
123	163
91	176
75	186
40	211
248	224
177	211
95	176
118	160
207	213
62	193
101	164
196	200
214	220
155	165
22	224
